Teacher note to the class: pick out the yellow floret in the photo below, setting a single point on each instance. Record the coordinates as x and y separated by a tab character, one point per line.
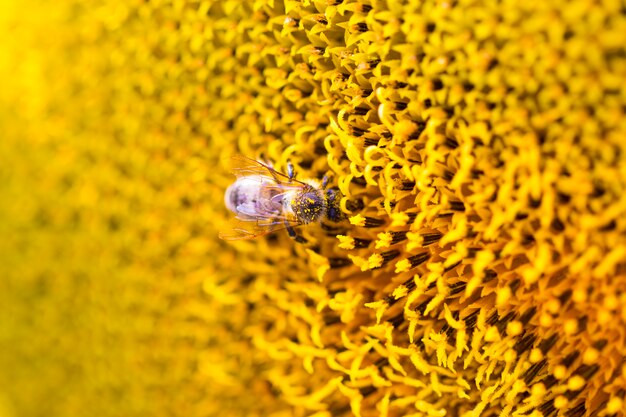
477	153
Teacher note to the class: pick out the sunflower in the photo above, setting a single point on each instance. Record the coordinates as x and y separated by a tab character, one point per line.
479	151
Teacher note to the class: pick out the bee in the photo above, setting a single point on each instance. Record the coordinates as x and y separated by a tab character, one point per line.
265	200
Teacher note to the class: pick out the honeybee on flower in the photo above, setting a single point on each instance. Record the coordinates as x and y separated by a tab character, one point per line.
265	200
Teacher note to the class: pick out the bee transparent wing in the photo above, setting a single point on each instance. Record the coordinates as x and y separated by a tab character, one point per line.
246	230
242	166
268	208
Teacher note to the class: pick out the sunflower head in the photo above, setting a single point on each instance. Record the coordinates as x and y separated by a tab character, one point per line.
477	153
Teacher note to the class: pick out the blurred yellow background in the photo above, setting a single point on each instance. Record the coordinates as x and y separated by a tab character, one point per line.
498	128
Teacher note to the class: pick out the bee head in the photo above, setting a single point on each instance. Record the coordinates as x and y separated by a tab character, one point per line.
309	206
332	206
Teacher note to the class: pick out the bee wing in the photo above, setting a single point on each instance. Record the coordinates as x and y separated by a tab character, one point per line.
246	230
271	205
242	166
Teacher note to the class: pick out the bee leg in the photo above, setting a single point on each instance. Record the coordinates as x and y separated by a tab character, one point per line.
324	182
270	167
265	160
290	170
292	234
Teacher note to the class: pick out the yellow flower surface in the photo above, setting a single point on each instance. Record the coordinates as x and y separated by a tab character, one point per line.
480	151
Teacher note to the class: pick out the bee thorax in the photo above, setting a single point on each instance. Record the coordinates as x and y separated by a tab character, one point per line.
309	206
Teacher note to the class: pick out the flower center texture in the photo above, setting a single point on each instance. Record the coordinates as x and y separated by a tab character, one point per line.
475	153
